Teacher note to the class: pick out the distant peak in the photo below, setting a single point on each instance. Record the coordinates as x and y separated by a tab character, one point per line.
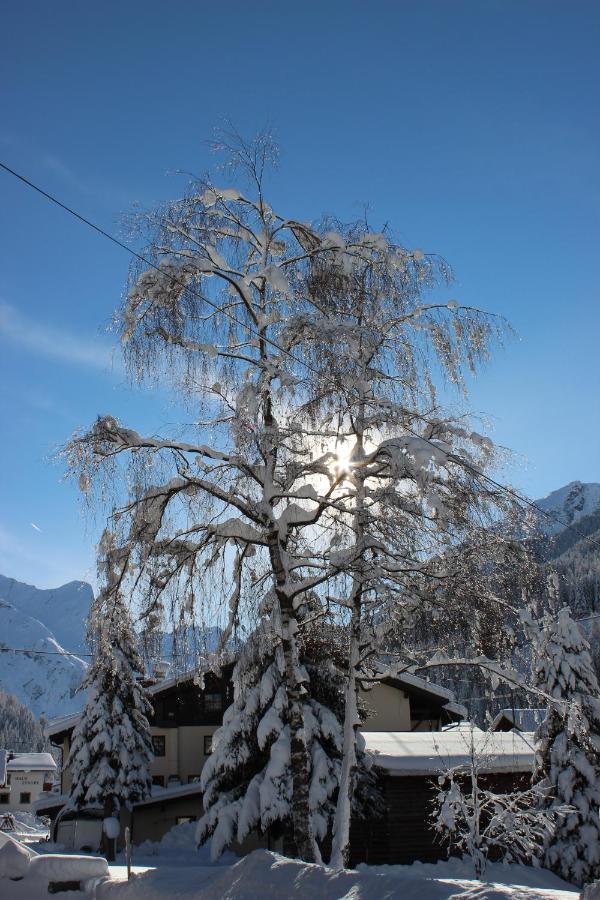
569	503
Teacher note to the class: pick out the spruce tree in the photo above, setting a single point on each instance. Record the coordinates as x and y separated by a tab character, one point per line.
568	748
247	779
111	749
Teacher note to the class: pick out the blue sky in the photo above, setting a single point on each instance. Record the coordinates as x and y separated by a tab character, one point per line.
471	127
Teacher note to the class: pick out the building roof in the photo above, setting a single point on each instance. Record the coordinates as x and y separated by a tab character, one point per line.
410	753
50	801
408	680
160	794
32	762
404	681
62	725
417	686
521	718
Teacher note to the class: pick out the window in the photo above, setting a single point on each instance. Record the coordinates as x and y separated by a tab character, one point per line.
207	744
174	779
193	779
158	742
4	798
159	780
25	797
185	820
213	702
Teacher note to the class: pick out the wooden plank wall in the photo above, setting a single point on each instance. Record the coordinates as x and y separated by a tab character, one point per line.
404	835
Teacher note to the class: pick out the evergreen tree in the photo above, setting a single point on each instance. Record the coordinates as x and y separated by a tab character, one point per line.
568	752
111	749
247	779
19	729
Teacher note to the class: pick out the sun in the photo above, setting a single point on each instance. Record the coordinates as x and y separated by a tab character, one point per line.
343	462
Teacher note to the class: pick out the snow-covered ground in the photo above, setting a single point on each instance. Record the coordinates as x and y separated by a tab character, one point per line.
263	875
28	827
175	870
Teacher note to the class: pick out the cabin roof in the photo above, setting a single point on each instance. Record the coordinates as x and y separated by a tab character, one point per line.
21	762
411	684
520	718
411	753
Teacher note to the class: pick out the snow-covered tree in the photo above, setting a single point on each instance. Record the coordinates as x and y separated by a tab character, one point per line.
568	747
247	779
412	531
477	821
111	749
19	729
320	460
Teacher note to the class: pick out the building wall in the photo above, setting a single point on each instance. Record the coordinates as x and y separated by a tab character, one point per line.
425	725
166	765
191	749
184	752
66	779
22	782
389	709
151	821
403	835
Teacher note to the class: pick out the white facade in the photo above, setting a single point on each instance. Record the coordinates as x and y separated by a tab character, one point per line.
22	779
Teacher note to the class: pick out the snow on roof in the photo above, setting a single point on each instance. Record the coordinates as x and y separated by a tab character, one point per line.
406	753
49	800
166	793
524	719
456	708
64	723
40	762
422	684
2	767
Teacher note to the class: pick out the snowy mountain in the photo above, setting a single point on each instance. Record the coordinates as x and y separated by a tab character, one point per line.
568	505
63	610
54	621
48	621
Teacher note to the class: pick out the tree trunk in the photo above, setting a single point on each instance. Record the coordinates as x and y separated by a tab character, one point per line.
108	844
340	850
303	838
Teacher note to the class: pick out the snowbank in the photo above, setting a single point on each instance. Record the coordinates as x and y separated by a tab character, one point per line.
14	860
266	876
29	824
179	844
8	838
57	867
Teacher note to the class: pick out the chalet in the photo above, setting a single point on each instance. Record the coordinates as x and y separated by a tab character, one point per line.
413	730
184	717
23	777
411	763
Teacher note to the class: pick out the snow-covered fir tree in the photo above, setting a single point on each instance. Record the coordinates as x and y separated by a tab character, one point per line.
19	729
247	779
111	749
568	747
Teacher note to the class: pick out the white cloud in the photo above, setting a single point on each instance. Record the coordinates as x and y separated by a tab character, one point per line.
56	343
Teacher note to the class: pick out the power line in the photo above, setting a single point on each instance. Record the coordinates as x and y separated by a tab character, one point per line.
31	650
68	209
152	265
